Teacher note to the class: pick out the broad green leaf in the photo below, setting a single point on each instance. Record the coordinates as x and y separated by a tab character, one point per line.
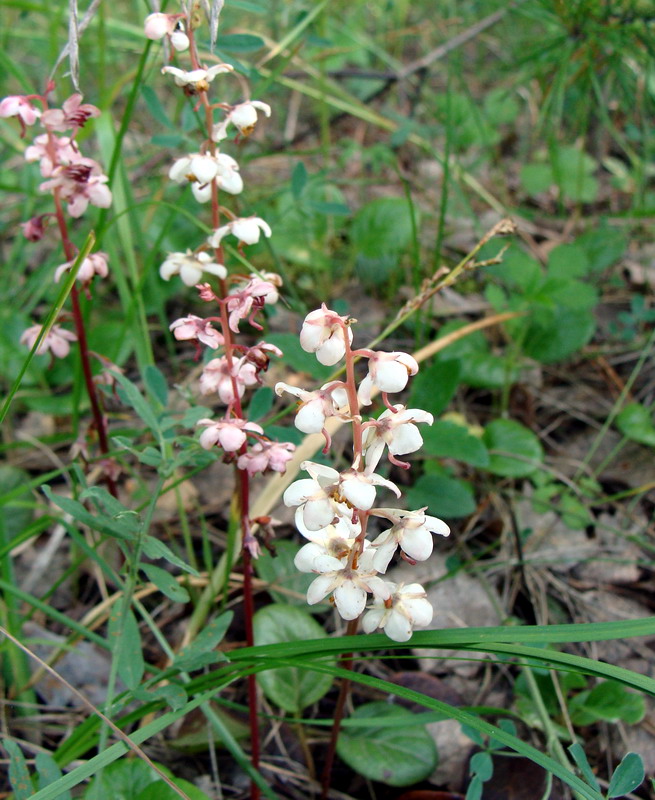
575	514
240	42
474	790
395	757
171	693
604	246
260	403
448	440
609	701
160	790
444	496
49	772
155	548
193	414
554	334
156	384
481	765
636	422
155	107
517	269
280	571
487	371
204	645
290	688
536	178
514	450
19	775
627	776
123	780
118	512
100	522
166	583
16	514
568	261
434	386
382	226
125	640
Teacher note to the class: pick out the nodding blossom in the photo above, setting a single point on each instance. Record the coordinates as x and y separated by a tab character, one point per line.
73	114
190	267
266	457
95	264
21	107
322	333
43	148
159	25
201	169
244	118
57	340
218	377
334	508
79	184
246	229
196	329
230	434
244	302
197	80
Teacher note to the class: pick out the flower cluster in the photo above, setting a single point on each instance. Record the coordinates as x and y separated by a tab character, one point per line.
333	508
240	299
70	177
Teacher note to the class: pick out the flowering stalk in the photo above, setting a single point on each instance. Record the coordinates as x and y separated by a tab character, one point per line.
77	181
333	509
240	298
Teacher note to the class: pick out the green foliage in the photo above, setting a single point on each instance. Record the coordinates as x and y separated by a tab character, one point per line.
636	422
290	688
133	779
395	756
279	571
627	777
443	495
514	450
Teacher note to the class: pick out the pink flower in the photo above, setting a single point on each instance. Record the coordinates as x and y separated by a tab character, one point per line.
230	434
21	107
95	264
244	118
246	229
323	333
34	229
194	328
259	355
51	152
56	340
266	456
79	184
73	114
245	302
216	377
390	372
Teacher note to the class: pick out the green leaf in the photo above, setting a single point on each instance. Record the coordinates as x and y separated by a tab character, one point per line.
17	513
448	440
434	386
19	775
100	522
49	772
207	641
155	548
125	640
554	334
636	422
193	414
280	571
391	756
517	270
487	371
515	451
444	497
604	246
481	765
171	693
536	178
290	688
160	790
627	776
474	790
156	384
123	780
130	395
260	403
580	757
609	701
155	107
118	512
575	514
382	227
298	180
166	583
240	42
568	261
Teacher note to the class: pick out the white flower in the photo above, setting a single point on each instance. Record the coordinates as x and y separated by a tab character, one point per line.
230	434
316	497
405	609
197	79
394	428
359	487
246	230
315	407
56	340
322	333
193	328
388	371
95	264
200	169
190	267
243	116
217	377
412	530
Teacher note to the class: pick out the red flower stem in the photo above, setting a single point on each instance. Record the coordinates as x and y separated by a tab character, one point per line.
99	420
344	690
243	479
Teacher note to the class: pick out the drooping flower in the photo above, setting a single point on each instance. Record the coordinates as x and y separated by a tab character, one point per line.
217	377
21	107
95	264
197	80
244	302
159	25
405	609
266	456
194	328
322	333
390	372
200	169
394	428
315	407
79	184
34	228
230	434
246	229
259	355
244	118
412	531
73	114
52	151
57	340
190	267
